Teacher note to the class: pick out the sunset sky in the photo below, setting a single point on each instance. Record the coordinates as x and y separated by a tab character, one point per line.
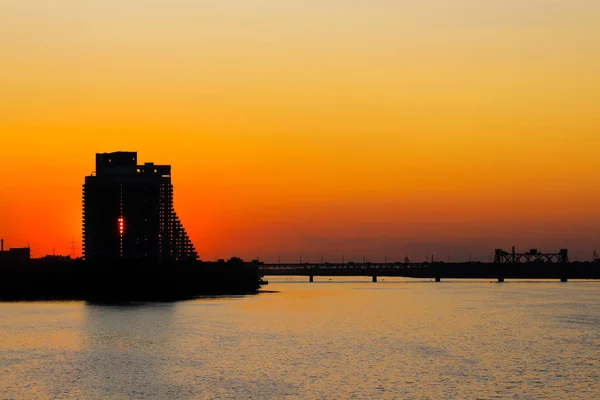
355	127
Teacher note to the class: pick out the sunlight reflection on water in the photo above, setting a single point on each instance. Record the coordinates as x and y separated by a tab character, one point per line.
345	338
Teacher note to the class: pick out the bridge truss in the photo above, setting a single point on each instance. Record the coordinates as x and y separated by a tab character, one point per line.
533	256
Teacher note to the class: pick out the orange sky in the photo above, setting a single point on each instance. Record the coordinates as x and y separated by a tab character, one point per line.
341	127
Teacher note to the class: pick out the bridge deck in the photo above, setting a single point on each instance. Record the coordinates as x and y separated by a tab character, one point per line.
439	270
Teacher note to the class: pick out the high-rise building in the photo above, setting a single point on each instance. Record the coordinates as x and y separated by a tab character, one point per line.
128	212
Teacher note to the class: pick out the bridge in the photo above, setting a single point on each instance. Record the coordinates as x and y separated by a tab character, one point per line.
338	269
530	265
532	256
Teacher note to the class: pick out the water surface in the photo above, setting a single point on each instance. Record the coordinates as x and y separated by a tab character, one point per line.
340	338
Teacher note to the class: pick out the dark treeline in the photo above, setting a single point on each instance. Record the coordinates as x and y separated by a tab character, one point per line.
126	280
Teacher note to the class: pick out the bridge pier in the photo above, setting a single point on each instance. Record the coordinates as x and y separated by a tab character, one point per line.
374	278
500	280
564	279
438	279
311	278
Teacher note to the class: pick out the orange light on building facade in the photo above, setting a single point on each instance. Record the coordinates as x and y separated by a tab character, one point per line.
121	221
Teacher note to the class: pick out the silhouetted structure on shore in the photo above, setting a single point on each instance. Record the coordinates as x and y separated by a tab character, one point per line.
14	255
134	247
128	212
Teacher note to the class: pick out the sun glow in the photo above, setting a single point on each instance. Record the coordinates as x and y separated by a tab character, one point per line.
361	128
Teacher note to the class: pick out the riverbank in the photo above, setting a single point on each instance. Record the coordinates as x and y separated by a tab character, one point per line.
125	280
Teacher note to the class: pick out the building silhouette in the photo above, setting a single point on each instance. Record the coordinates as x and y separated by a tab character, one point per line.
14	255
128	212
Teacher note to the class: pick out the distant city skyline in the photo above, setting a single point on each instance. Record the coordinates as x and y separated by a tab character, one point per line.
357	128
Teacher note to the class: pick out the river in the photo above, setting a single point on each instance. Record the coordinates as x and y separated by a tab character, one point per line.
332	339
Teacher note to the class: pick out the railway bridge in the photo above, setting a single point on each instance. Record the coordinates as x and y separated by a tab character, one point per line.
530	265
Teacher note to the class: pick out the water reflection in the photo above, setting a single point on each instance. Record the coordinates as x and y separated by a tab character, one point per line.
127	348
313	341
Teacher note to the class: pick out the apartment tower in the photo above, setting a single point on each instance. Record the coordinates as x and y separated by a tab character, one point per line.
128	212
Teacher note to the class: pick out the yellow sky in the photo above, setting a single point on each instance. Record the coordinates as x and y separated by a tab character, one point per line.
383	123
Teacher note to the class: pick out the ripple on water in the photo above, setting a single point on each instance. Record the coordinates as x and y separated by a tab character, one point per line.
337	340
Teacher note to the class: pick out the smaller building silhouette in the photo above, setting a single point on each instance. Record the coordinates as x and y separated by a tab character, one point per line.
14	255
